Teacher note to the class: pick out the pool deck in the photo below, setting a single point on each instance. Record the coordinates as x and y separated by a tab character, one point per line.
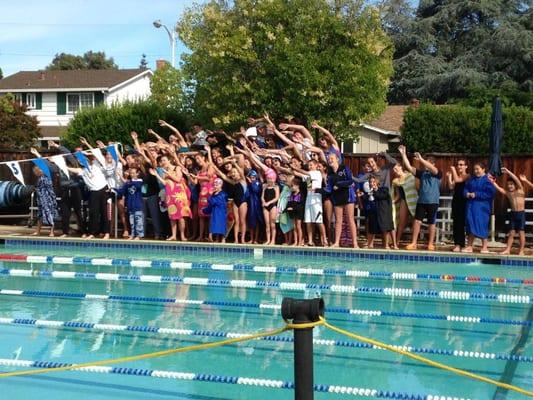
24	234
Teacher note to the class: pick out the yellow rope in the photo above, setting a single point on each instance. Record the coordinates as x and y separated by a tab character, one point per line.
162	353
427	360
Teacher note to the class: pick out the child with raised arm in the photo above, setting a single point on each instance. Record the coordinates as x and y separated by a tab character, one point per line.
269	200
177	198
428	196
517	220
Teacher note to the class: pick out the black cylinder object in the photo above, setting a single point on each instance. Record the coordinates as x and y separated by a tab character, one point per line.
301	312
13	193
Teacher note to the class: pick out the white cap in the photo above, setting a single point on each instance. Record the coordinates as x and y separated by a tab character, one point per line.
251	131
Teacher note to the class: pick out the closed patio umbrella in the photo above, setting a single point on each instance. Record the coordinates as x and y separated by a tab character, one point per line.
496	138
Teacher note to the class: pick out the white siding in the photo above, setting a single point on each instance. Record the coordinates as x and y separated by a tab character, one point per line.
48	115
134	90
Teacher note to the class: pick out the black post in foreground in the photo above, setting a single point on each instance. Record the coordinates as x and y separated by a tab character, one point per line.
302	312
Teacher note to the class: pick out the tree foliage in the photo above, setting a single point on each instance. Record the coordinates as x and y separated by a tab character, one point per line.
143	64
17	129
1	74
446	48
464	129
166	87
115	122
89	60
310	59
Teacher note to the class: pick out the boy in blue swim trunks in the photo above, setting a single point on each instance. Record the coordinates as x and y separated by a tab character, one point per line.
517	220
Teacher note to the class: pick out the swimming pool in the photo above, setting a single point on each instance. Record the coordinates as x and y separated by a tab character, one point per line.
76	302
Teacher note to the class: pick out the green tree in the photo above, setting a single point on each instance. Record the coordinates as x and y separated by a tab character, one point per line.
89	60
143	64
166	87
1	73
455	46
17	129
310	59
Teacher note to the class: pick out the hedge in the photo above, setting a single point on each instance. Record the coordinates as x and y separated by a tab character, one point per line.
463	129
115	122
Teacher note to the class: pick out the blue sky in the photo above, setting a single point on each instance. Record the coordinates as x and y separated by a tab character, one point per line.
33	31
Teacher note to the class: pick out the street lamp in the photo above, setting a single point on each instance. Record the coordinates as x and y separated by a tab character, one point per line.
171	36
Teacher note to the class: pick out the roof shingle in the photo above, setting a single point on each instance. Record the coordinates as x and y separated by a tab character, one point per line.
390	120
72	79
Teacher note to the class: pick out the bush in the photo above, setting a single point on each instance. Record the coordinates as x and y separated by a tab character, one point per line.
115	122
463	129
17	129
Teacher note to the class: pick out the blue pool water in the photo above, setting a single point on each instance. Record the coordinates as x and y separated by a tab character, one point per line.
388	316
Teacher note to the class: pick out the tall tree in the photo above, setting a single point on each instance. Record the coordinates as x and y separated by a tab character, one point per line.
143	64
166	87
457	45
303	58
17	129
1	73
89	60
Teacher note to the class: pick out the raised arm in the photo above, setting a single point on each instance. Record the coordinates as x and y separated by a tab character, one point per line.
496	186
526	181
175	130
517	181
430	167
299	128
328	134
406	162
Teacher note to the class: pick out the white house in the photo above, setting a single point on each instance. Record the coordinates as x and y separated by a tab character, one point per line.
55	96
378	135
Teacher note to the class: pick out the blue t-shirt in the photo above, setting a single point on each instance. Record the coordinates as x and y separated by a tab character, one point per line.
429	192
132	189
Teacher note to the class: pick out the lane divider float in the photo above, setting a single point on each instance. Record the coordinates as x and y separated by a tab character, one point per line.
222	379
261	306
89	327
169	264
274	285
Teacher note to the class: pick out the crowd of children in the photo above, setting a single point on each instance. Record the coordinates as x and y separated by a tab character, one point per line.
272	185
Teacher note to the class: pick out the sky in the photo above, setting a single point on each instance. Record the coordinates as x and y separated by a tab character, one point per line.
33	31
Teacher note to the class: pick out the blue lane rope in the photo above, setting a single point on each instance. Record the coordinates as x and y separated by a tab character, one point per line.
89	327
263	306
286	269
232	380
275	285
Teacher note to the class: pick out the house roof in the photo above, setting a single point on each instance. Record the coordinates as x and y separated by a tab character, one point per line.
389	122
102	79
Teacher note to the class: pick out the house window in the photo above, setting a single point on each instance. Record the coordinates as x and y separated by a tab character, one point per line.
75	101
31	101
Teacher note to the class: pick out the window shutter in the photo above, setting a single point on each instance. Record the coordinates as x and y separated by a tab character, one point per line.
98	98
61	103
38	101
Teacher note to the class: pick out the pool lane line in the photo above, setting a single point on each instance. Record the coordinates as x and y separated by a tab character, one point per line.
89	326
511	365
243	267
274	285
262	306
222	379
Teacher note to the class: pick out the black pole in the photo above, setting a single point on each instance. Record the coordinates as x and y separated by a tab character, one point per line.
302	312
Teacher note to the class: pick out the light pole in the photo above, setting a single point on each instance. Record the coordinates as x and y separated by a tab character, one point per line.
171	36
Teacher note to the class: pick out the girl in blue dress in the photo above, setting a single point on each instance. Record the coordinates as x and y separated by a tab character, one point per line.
218	209
46	202
479	193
